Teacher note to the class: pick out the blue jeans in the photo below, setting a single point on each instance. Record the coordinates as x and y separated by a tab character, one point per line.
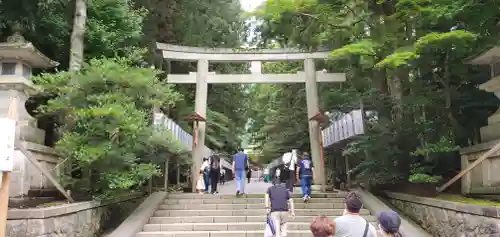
240	176
305	183
206	179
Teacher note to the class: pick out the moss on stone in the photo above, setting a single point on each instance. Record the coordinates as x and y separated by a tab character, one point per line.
467	200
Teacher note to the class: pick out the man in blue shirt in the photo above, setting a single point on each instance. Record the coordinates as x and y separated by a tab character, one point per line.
240	164
305	170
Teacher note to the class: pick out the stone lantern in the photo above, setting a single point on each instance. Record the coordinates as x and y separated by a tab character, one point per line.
485	178
491	58
17	59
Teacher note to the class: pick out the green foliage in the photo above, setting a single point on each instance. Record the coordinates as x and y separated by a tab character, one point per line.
397	59
405	61
444	144
448	40
420	174
362	48
424	178
114	27
106	128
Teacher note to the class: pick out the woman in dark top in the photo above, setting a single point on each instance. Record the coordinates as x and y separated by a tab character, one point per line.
249	174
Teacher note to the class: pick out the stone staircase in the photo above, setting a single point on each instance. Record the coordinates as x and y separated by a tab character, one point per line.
196	215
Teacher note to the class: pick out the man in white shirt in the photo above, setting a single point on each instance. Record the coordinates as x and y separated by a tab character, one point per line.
351	223
290	160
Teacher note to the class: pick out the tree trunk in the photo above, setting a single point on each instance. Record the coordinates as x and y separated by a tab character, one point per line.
76	51
77	36
396	92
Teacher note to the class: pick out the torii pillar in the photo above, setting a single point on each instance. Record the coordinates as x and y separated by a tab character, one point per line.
314	128
200	108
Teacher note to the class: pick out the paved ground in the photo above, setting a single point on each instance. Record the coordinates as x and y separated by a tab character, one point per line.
254	187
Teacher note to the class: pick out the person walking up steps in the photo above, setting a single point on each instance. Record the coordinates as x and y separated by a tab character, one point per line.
290	161
215	167
389	223
305	171
322	226
205	168
281	206
222	176
266	175
351	224
249	175
240	164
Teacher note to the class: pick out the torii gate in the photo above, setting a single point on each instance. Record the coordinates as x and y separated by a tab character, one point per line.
202	77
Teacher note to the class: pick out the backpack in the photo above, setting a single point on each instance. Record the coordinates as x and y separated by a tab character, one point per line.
215	163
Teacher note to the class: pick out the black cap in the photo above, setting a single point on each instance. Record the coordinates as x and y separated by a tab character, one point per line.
389	221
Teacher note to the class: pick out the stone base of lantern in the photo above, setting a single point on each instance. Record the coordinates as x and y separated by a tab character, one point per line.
26	176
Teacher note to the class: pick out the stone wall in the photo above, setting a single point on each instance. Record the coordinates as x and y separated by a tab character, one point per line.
83	219
449	219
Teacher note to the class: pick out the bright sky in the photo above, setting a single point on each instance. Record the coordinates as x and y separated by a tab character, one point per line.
249	5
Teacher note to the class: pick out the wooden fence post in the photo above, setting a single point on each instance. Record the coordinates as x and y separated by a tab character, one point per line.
7	162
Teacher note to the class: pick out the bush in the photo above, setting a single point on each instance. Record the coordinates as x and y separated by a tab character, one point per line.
419	174
424	178
104	115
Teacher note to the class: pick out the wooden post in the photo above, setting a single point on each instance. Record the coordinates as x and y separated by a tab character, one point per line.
196	118
165	184
4	190
322	158
323	121
178	173
348	174
470	167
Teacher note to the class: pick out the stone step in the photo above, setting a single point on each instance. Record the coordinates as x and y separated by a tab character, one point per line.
254	233
220	196
250	212
247	206
246	201
231	219
243	226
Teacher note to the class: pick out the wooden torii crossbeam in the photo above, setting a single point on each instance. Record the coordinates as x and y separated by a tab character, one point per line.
255	78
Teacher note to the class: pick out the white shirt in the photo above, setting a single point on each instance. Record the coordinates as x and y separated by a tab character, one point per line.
290	157
353	225
278	172
222	171
204	165
266	171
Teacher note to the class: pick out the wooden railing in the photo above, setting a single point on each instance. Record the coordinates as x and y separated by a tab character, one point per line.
347	126
182	136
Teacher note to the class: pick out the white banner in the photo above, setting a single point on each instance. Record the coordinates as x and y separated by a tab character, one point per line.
7	139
